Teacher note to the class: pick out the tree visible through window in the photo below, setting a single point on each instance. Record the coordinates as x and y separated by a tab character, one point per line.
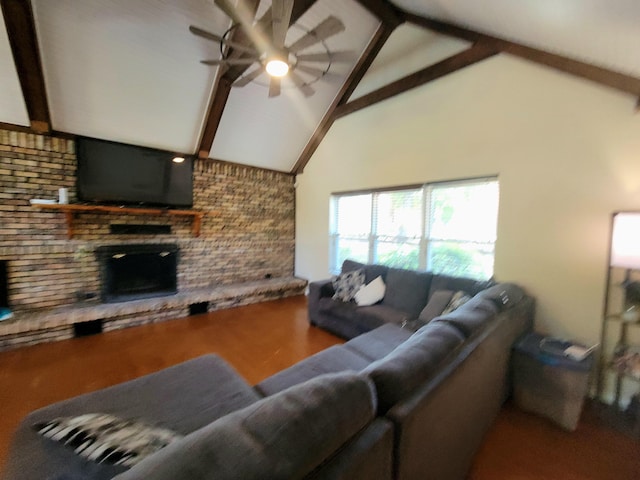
445	228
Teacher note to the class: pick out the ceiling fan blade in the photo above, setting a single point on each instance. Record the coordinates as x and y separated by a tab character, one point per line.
301	84
243	15
327	28
230	10
230	61
280	18
274	87
242	81
217	38
316	72
339	56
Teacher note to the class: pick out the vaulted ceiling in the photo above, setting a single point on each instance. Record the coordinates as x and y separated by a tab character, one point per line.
130	71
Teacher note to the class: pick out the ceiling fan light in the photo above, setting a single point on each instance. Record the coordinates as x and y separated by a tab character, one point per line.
277	67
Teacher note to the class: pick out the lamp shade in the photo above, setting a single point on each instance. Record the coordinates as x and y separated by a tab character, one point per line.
625	240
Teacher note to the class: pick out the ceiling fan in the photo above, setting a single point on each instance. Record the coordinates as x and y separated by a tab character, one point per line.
271	55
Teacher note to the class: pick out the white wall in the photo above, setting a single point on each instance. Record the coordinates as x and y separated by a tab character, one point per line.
567	153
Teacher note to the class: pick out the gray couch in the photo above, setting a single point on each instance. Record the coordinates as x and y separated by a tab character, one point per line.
406	296
389	403
230	431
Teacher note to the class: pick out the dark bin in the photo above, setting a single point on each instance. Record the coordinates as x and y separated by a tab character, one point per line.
548	383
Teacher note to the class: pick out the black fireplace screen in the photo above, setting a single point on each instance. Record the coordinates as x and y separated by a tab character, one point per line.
132	272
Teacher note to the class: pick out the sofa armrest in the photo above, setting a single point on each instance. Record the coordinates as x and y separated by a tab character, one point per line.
318	290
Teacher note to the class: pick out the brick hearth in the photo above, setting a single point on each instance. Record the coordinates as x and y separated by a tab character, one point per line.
58	324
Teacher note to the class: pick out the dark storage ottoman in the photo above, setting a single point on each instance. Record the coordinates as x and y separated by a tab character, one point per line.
548	383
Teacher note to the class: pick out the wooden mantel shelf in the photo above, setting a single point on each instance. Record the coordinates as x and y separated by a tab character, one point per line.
69	210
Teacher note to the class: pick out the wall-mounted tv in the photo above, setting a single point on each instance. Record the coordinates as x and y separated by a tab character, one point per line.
110	172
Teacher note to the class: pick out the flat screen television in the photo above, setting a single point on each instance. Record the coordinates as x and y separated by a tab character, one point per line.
111	172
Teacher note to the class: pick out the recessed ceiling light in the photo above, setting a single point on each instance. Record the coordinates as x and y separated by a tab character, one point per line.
178	159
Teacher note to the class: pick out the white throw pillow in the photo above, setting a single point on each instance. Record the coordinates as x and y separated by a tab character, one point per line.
371	293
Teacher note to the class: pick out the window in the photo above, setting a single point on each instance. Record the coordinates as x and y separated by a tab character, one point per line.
447	228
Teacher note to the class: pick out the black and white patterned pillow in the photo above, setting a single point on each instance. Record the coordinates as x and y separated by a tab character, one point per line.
104	438
346	285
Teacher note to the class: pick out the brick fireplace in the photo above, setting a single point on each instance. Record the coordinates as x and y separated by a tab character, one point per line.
247	233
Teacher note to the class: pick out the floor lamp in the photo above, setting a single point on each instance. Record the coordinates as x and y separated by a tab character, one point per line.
624	253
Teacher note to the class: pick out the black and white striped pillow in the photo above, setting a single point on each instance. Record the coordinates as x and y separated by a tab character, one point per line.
104	438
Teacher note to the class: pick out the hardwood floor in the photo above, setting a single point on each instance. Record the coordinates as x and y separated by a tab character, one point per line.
259	340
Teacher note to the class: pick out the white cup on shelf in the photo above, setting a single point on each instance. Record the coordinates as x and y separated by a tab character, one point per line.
63	196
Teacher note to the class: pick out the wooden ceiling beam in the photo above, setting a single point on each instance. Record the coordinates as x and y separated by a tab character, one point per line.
387	13
221	91
21	29
222	85
475	54
603	76
373	48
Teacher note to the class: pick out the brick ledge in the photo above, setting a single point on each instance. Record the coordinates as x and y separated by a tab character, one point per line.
49	325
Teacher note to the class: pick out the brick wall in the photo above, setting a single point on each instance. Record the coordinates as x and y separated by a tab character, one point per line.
248	235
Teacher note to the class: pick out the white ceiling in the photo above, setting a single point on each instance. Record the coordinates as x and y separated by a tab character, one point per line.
12	107
408	49
129	71
603	32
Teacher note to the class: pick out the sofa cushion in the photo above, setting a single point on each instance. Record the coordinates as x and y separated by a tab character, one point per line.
347	322
371	271
365	318
436	305
377	315
281	437
332	360
337	308
377	343
346	285
412	363
470	317
407	290
504	295
468	285
371	293
351	265
214	390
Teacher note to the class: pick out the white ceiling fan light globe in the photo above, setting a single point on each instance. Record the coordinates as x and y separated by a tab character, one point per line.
277	67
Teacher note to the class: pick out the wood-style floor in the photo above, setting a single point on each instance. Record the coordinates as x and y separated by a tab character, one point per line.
259	340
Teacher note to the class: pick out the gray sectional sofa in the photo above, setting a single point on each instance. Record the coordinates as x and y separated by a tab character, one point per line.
389	403
407	294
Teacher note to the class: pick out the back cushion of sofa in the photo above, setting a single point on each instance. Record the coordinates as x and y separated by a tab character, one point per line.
504	295
282	436
407	290
351	265
370	271
468	285
412	363
470	317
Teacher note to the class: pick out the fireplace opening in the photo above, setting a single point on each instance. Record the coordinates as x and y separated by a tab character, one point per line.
133	272
4	285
